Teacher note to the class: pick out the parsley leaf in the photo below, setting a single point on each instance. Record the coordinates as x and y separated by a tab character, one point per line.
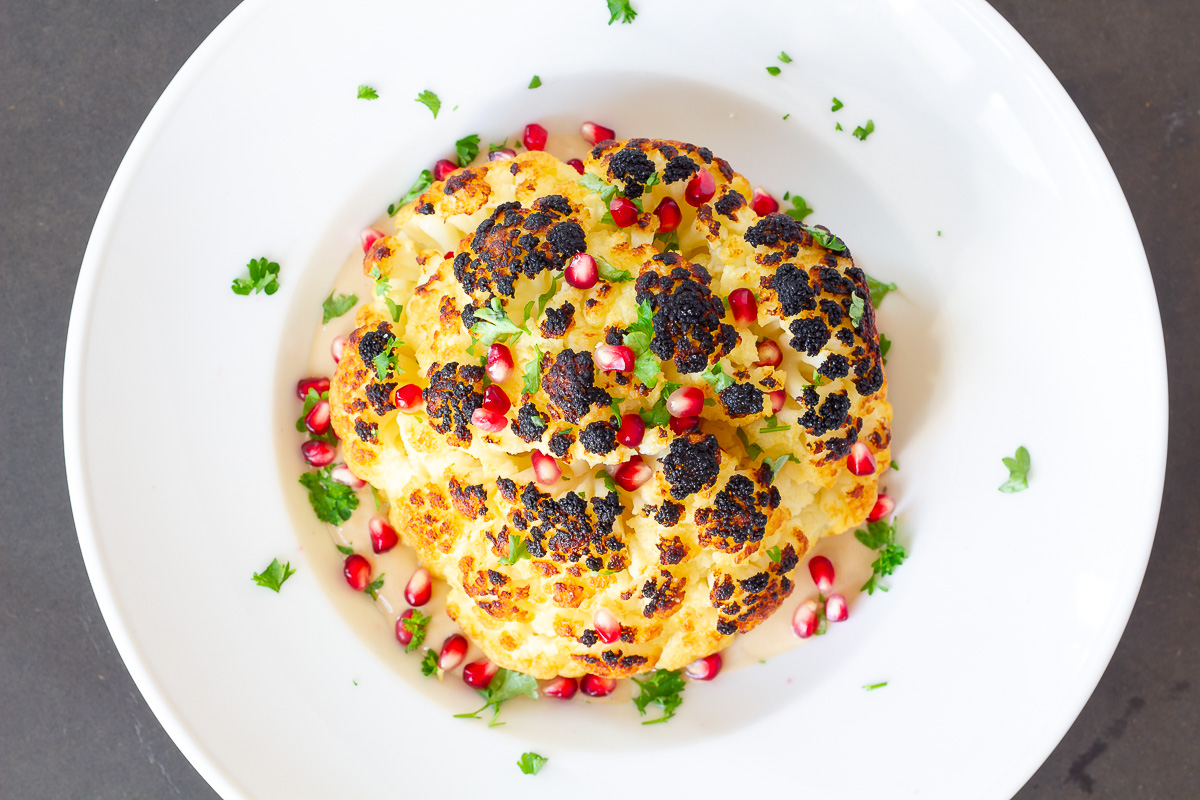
367	93
468	148
885	344
609	483
345	550
494	146
622	10
416	626
333	502
646	367
870	687
594	183
658	415
393	309
264	277
1018	472
336	306
533	372
773	70
431	101
784	57
669	241
516	550
535	83
878	290
799	210
423	182
610	273
837	104
881	535
274	575
548	295
752	450
664	687
838	127
774	554
862	133
716	377
310	400
492	324
858	307
374	587
531	763
776	464
505	686
774	425
429	663
825	238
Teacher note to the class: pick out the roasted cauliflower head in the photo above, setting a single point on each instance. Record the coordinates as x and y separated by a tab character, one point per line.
710	512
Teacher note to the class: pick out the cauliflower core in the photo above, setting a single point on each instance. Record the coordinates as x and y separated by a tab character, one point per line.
706	547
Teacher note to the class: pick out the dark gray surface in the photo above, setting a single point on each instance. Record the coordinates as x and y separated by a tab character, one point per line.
77	77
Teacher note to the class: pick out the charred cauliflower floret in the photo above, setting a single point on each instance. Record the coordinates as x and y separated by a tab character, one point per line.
502	481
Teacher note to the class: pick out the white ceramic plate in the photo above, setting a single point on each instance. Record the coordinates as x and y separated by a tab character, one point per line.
178	402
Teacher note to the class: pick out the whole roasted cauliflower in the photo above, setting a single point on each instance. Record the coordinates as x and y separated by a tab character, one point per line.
577	574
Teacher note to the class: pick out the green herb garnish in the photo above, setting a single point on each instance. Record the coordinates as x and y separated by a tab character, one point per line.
716	377
493	325
610	273
837	104
548	295
274	575
773	70
468	148
535	83
878	290
334	307
533	372
423	182
367	93
799	210
609	483
858	307
1018	472
774	425
310	400
393	309
516	550
885	345
531	763
431	101
429	663
594	183
646	367
665	688
752	450
333	502
506	685
784	57
264	277
622	10
415	625
881	535
374	587
826	239
774	554
862	133
669	241
873	686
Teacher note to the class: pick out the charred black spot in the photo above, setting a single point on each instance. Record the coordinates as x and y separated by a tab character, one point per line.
742	400
567	240
679	168
374	343
691	464
599	438
809	335
528	425
631	166
425	208
829	416
795	292
570	385
774	230
730	203
366	430
668	514
557	321
379	396
835	366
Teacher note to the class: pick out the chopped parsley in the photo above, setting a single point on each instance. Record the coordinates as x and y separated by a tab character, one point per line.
858	307
646	366
516	550
716	377
774	425
826	239
862	133
784	57
535	83
774	554
594	183
333	502
533	372
836	105
620	10
1018	472
367	93
387	362
393	309
773	70
870	687
838	127
416	625
431	101
881	535
752	450
505	686
310	400
885	344
264	277
429	663
658	415
669	241
531	763
334	307
777	463
665	688
374	587
785	116
423	182
345	550
494	146
493	325
274	575
878	290
383	284
799	210
896	466
610	273
468	148
609	483
545	298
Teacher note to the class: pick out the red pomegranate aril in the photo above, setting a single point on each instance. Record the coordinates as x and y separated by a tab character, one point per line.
624	212
607	627
700	188
342	474
317	419
535	137
805	620
682	425
821	569
357	571
613	358
494	399
560	687
443	168
632	474
777	398
454	650
743	307
704	669
318	385
884	506
503	154
336	348
861	460
596	133
686	401
487	420
545	469
319	454
419	588
408	397
577	164
478	674
763	203
836	609
403	634
769	354
582	272
448	256
632	430
595	686
669	215
368	237
383	535
499	363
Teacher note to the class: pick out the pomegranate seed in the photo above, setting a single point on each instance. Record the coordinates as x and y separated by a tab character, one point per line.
443	168
778	398
383	535
403	634
560	687
581	272
369	236
449	256
821	569
454	650
743	307
319	454
686	401
357	571
317	420
624	212
594	686
337	347
884	506
535	137
419	588
342	474
499	363
682	425
478	674
408	398
669	215
763	203
769	354
700	188
632	474
704	669
607	627
861	460
494	399
613	358
836	609
318	385
503	154
545	468
487	420
632	430
804	621
578	165
596	133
